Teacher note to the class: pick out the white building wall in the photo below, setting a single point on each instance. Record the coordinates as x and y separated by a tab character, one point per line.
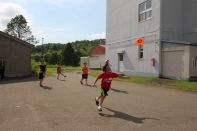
172	21
83	60
175	61
123	29
193	61
96	62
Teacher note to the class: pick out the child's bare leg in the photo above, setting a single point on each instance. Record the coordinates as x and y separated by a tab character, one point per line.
81	81
86	81
58	75
102	98
99	97
63	75
41	82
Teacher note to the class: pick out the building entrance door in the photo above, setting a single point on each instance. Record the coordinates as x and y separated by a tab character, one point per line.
120	62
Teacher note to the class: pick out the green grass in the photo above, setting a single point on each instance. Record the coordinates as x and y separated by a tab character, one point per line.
35	67
136	79
183	85
157	82
95	72
51	69
150	81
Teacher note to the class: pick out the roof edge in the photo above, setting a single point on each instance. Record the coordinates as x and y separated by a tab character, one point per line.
16	39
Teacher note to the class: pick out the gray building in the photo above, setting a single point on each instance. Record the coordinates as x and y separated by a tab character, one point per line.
169	29
16	54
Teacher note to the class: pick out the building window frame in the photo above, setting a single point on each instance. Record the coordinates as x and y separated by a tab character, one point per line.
145	11
141	52
121	57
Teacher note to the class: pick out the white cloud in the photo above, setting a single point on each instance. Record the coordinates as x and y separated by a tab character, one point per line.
98	36
10	10
69	3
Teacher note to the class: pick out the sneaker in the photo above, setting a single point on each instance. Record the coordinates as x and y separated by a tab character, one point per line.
97	101
99	108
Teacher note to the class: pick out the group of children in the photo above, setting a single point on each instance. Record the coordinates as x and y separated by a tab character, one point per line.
42	72
106	78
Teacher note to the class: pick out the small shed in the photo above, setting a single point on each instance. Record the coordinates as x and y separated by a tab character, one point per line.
16	54
97	57
83	60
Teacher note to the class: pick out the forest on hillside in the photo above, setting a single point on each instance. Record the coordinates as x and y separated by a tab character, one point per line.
66	54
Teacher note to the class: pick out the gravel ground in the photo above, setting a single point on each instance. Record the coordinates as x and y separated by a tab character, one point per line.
66	105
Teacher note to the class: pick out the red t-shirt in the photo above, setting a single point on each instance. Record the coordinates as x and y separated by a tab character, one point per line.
84	70
59	69
107	79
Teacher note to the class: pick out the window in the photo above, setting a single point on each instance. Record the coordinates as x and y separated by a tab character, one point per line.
121	57
145	10
141	52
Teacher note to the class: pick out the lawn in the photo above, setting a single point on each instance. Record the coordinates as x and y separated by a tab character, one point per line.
151	81
158	82
51	69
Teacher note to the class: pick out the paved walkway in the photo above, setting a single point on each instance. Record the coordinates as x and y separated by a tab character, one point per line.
68	106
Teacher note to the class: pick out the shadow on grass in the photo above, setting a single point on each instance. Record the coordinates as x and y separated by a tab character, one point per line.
119	91
18	80
127	117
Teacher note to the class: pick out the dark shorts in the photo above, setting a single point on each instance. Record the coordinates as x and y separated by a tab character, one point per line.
84	76
104	91
41	76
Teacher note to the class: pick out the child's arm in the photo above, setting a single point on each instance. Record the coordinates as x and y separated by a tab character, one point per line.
123	76
99	77
95	83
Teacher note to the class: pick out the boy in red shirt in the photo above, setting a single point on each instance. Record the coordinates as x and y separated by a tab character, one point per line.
106	77
59	71
84	69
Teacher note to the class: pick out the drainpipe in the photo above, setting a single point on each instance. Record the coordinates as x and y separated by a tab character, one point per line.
160	39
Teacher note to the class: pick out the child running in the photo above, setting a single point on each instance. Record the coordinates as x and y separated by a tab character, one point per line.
42	72
59	71
84	69
107	62
106	77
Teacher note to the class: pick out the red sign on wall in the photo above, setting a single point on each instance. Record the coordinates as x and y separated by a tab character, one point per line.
140	41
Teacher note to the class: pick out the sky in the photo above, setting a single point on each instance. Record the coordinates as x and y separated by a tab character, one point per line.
58	21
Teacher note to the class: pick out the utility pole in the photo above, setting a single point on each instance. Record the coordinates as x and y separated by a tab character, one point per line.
42	49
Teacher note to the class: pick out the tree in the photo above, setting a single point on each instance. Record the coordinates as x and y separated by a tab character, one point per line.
37	57
54	58
69	55
18	27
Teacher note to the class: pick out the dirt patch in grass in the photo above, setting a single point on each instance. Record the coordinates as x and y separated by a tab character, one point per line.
160	81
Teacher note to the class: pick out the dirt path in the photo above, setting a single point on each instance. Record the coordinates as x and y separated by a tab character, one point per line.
69	106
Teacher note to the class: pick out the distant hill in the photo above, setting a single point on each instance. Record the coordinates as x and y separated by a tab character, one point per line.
54	50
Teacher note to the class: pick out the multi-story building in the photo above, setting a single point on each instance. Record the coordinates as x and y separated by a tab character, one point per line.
169	31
